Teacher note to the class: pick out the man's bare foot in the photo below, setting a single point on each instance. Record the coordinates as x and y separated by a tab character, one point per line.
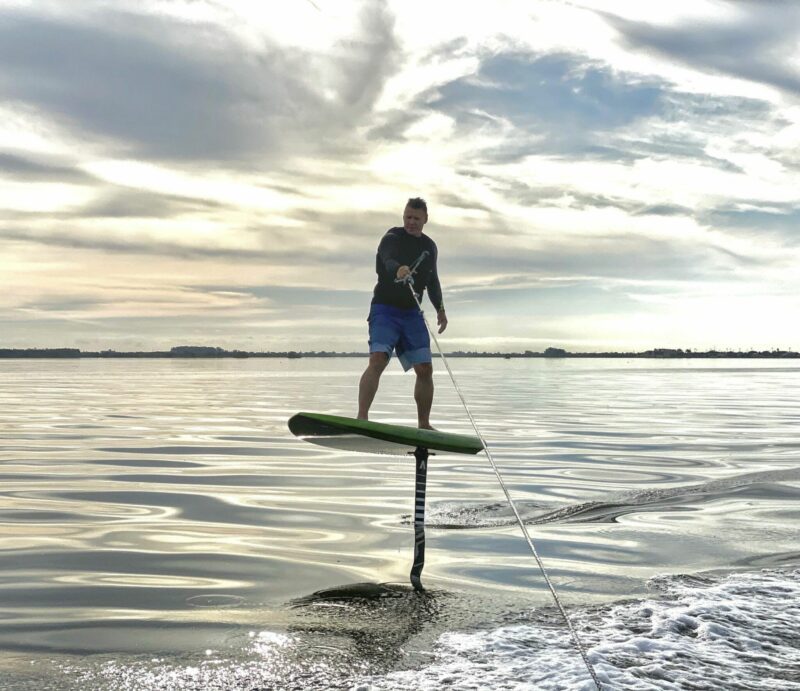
428	426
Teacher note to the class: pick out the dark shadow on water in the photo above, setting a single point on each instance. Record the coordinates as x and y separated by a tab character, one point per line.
358	593
369	623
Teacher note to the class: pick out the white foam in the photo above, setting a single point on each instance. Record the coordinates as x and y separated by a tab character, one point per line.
736	632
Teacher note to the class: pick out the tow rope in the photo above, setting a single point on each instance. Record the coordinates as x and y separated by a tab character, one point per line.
409	281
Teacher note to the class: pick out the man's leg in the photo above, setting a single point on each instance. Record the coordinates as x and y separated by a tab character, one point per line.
368	386
423	394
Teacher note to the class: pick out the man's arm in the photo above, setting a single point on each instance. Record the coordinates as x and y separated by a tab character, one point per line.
435	295
387	250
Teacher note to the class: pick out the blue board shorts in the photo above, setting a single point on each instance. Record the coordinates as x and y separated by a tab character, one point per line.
400	330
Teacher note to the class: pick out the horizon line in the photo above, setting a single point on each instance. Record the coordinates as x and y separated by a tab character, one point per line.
218	352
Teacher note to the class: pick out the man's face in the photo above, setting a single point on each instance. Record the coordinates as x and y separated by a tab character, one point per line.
414	220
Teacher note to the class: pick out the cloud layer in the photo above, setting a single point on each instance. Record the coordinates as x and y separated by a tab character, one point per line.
198	171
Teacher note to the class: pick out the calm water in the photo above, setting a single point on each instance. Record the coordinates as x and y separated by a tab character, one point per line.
161	529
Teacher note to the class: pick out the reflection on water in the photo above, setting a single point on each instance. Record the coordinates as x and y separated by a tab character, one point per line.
163	508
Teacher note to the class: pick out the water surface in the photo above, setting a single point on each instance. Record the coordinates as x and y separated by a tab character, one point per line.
160	527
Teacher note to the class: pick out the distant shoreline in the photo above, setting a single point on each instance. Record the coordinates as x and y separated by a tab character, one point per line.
190	352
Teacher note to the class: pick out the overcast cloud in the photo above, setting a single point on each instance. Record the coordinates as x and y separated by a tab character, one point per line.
213	173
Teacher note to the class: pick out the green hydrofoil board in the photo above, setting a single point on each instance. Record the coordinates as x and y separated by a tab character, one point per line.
366	436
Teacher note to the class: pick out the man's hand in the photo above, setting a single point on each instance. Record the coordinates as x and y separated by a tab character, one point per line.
402	272
441	320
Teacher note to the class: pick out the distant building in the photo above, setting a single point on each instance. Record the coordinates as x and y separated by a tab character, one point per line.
196	351
555	352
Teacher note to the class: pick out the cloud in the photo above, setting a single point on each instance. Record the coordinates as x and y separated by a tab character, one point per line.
776	221
566	105
20	167
755	41
128	203
294	298
559	91
392	125
111	300
337	241
249	174
562	102
142	245
160	88
142	91
532	195
630	257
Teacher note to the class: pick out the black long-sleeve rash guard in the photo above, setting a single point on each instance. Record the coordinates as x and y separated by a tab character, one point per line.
399	248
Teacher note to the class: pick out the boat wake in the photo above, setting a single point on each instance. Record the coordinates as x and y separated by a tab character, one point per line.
467	515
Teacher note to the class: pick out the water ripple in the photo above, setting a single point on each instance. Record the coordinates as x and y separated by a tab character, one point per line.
156	506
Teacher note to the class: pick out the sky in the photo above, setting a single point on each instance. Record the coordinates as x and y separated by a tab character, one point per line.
600	174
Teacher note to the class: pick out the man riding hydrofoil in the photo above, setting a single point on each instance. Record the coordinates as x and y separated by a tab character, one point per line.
395	321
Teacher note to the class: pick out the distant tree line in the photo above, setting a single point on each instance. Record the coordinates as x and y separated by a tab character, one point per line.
212	352
176	352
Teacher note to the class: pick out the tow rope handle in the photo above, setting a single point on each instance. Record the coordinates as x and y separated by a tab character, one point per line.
409	277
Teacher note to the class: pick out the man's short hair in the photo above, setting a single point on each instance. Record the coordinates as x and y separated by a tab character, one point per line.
418	203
